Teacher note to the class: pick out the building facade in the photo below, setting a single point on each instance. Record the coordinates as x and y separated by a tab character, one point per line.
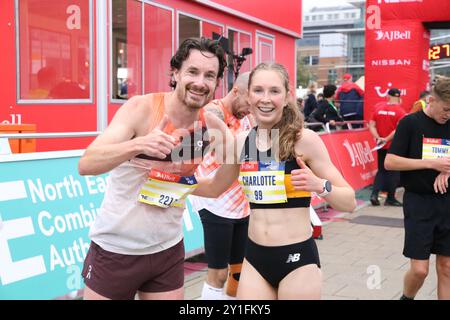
333	42
68	65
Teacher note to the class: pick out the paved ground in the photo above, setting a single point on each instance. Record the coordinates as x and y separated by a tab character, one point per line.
359	261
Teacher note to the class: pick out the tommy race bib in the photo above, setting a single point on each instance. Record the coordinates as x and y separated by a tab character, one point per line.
433	148
165	190
263	182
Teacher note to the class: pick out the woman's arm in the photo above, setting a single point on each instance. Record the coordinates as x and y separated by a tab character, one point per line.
314	153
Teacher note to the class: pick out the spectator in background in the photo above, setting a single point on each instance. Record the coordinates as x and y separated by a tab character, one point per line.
319	97
326	111
310	102
382	127
301	105
46	80
350	97
421	103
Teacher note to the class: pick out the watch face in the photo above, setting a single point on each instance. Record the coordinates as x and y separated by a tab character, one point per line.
328	186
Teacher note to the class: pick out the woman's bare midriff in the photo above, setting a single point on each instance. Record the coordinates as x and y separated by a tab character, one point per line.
277	227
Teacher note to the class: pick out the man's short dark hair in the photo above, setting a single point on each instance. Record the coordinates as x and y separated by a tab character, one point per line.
329	90
202	44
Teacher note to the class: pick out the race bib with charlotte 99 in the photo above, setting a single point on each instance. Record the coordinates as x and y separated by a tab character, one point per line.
263	182
433	148
166	190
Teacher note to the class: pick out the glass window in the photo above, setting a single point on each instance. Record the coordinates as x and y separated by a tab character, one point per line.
266	52
233	39
158	47
188	28
207	31
241	43
314	60
332	76
246	42
126	49
55	49
358	55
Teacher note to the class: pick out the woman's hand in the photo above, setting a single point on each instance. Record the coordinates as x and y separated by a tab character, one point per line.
305	180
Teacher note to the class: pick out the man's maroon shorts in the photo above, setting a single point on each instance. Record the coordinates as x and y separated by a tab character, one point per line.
119	277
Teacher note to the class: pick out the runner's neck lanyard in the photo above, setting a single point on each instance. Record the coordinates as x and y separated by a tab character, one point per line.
334	107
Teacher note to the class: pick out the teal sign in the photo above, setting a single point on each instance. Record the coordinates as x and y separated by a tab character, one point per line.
46	210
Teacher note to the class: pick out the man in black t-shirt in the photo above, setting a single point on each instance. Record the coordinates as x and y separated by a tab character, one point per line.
421	151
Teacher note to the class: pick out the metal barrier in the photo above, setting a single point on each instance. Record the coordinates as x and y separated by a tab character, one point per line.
50	135
348	124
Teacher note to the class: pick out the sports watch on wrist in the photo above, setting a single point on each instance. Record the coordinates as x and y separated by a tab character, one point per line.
326	188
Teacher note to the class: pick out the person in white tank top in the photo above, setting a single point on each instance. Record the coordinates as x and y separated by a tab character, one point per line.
140	220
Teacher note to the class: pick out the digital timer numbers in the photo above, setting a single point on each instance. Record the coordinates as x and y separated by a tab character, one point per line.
440	51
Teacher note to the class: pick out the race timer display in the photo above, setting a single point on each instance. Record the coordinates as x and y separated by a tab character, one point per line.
439	51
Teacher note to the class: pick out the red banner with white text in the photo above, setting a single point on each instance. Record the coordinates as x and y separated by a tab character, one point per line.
350	152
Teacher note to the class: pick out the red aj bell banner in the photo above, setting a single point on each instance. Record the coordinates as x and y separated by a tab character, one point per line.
350	151
396	57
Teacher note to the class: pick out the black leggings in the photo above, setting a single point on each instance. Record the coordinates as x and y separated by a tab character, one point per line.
224	238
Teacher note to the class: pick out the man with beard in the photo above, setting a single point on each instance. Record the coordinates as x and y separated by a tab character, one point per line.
225	219
137	238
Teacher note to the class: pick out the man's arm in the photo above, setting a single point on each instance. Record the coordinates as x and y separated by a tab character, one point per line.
117	145
215	186
398	163
373	130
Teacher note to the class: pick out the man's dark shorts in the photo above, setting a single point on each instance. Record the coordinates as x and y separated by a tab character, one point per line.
119	277
427	225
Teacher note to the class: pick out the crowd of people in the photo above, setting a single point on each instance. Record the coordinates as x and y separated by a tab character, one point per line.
250	166
333	105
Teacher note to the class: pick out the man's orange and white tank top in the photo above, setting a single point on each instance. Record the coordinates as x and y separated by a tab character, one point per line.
232	203
126	225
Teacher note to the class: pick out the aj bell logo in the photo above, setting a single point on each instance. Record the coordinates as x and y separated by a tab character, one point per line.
392	35
293	257
359	152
